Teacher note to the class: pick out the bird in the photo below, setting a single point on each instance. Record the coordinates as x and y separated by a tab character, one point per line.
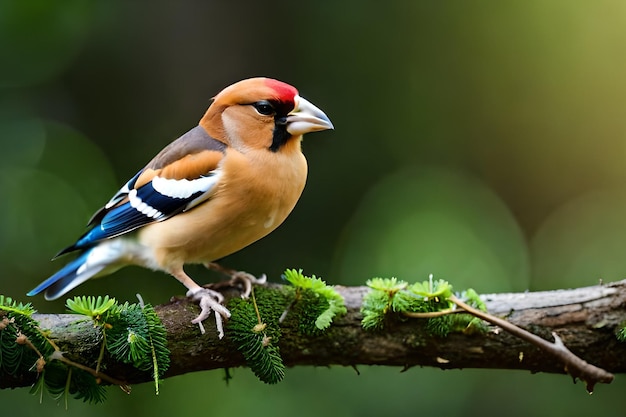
224	184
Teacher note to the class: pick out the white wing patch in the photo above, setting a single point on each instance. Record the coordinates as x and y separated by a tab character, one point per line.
173	189
136	202
183	188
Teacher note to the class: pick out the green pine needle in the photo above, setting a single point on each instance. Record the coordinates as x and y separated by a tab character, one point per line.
621	334
15	319
326	301
90	306
132	333
61	383
390	295
135	335
253	340
9	305
55	377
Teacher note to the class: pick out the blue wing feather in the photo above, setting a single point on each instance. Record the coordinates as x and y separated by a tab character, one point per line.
119	220
145	206
132	207
65	279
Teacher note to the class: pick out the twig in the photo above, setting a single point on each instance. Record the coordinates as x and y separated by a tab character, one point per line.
574	365
58	355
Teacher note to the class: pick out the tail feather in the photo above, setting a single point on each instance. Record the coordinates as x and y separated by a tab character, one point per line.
70	276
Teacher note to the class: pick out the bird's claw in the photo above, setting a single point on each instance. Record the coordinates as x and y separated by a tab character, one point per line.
246	280
209	301
241	279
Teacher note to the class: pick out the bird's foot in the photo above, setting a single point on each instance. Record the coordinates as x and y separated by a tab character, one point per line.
238	279
245	281
209	301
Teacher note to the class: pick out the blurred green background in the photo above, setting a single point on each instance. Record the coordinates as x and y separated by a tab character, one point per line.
484	142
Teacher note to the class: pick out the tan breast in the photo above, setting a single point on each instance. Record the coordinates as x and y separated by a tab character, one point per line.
258	191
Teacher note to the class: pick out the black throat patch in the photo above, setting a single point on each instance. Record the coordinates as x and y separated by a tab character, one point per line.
280	135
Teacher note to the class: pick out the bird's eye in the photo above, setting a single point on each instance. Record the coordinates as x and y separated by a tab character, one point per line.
264	108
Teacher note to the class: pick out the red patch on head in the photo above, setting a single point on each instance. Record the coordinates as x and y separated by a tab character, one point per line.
284	92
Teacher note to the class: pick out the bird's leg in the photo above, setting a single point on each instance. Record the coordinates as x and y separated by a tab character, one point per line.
209	300
238	278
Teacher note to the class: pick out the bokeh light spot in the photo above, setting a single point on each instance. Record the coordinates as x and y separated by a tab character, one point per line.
434	220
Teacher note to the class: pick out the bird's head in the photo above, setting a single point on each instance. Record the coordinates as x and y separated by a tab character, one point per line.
262	113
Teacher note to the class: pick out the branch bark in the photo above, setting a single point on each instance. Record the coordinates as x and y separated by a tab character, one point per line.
585	319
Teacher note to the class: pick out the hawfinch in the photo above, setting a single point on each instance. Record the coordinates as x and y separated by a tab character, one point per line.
218	188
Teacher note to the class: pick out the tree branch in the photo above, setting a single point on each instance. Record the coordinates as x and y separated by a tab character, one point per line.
585	320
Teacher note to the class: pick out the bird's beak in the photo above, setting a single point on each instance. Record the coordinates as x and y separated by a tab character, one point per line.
306	117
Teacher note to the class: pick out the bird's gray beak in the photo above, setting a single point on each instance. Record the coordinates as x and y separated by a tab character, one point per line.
306	117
